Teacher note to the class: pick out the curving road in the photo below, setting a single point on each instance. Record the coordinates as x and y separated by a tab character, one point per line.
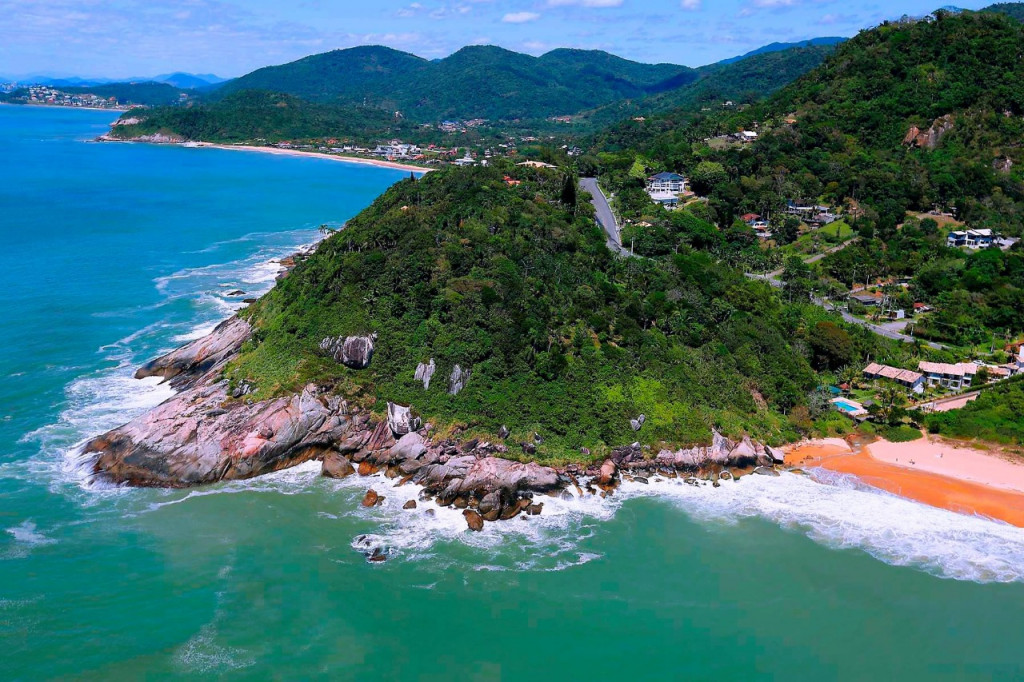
604	215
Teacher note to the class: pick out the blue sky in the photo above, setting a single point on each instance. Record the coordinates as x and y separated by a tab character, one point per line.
125	38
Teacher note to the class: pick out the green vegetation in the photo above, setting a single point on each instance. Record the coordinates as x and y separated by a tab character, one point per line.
742	81
148	93
997	416
1010	9
475	82
903	118
516	284
900	434
250	115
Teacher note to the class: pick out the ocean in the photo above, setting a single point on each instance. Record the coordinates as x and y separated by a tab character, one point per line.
115	253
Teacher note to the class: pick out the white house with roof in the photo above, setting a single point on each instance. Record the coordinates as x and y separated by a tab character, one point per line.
955	377
666	182
971	239
904	377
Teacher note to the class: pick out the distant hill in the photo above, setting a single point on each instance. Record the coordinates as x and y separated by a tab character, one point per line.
148	93
188	81
258	115
475	82
830	41
750	79
1010	9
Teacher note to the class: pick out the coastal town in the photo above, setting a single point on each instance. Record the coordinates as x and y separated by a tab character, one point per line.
50	96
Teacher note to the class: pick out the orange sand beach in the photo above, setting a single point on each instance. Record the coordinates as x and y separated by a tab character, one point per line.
962	480
320	155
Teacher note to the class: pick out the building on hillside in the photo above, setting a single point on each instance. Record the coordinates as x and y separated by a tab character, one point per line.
666	182
904	377
955	377
536	164
866	298
971	239
666	199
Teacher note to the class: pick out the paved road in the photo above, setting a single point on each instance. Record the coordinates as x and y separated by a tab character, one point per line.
605	217
879	329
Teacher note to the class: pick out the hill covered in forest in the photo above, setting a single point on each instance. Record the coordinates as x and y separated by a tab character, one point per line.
255	115
474	82
911	116
904	116
497	84
511	287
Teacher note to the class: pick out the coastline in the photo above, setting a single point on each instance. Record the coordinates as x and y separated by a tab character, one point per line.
962	480
394	165
320	155
61	106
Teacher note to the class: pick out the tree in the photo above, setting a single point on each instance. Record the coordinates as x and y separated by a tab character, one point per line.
889	407
568	197
796	278
831	344
707	176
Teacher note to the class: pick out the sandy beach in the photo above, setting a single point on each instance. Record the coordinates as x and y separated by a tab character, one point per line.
962	480
319	155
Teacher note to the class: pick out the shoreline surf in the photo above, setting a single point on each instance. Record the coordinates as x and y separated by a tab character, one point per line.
985	493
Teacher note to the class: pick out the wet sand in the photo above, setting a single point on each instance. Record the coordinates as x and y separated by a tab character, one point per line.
915	482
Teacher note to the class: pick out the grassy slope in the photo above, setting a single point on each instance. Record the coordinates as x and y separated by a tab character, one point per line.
561	337
997	416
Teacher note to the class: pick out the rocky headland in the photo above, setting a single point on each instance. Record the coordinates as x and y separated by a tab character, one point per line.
210	431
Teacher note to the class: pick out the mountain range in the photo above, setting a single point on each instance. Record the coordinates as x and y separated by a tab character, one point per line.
179	79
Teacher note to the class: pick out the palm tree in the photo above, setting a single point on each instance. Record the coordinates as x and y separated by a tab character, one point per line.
890	399
848	375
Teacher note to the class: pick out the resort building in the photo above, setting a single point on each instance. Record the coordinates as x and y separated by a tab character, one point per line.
971	239
666	182
904	377
955	377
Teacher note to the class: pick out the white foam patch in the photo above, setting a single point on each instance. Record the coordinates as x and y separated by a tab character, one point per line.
27	533
107	398
842	513
26	537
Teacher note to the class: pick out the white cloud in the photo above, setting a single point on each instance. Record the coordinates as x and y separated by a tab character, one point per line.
520	17
690	5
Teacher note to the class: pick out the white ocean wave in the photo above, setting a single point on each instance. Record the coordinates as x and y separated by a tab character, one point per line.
104	399
842	514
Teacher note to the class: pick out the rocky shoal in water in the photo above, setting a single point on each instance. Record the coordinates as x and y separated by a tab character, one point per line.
209	432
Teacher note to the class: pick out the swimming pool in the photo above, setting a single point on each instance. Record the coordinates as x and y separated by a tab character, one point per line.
846	407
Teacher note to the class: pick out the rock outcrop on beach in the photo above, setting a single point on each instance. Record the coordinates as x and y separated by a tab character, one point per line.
200	437
188	364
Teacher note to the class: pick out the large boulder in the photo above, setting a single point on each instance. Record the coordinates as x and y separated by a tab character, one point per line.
474	521
355	352
409	446
336	466
608	472
401	420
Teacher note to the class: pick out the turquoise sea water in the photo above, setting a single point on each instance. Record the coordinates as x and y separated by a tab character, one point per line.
112	254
